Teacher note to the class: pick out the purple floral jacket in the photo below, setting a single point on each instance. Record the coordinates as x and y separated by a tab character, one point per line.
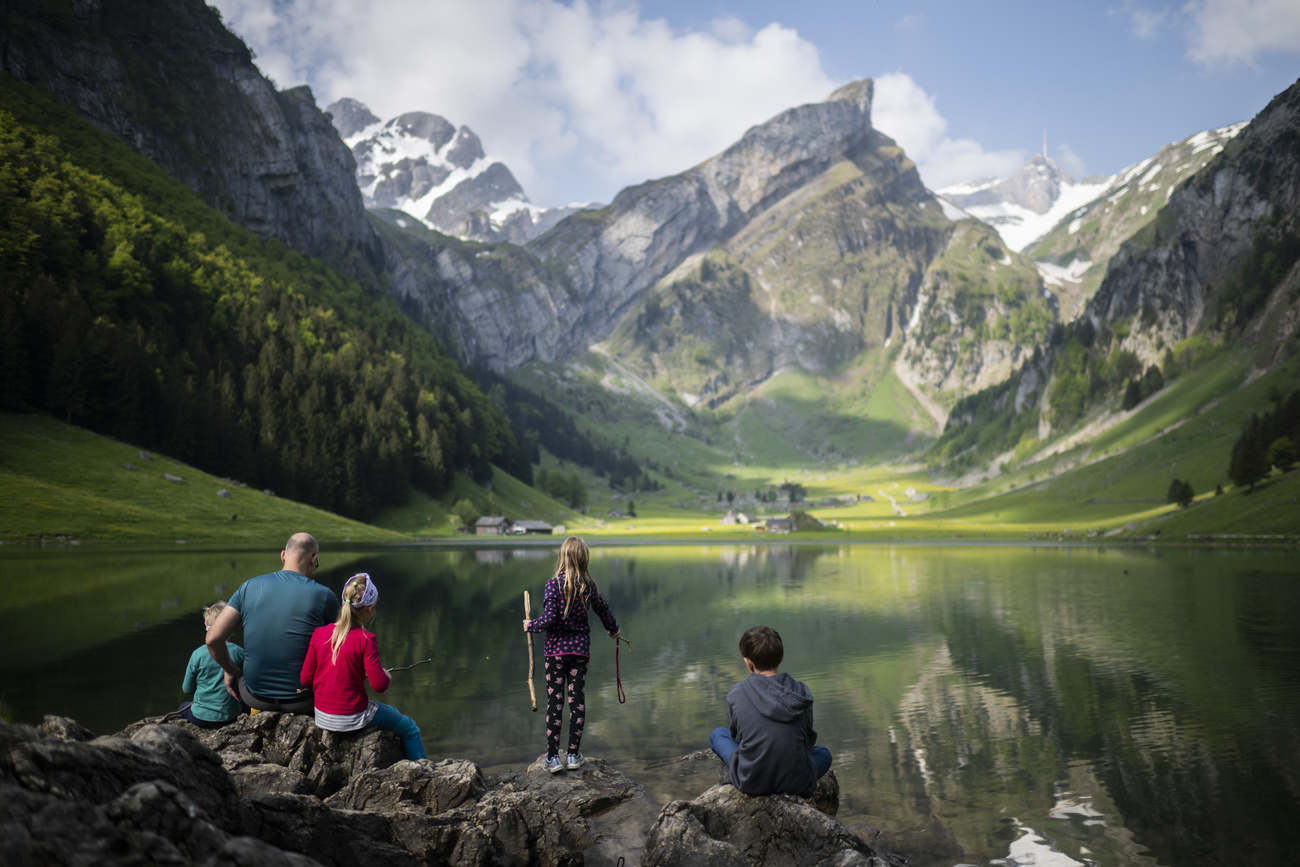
570	634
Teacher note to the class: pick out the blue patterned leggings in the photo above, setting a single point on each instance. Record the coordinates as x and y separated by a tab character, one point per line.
565	675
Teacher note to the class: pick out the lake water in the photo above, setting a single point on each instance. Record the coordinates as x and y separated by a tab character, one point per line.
984	704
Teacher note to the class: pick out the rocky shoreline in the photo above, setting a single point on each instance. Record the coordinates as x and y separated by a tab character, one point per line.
273	789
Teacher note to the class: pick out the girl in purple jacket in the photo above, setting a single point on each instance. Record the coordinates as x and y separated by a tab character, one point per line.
568	647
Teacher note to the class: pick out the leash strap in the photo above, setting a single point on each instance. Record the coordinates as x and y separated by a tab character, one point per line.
618	678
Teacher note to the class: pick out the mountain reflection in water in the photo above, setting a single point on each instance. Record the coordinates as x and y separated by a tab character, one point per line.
1055	706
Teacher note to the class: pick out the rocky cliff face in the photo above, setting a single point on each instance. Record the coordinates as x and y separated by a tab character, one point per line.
1216	265
981	311
1074	254
172	82
816	208
809	241
1192	267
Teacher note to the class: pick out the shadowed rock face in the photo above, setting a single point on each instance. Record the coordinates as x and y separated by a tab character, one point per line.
170	81
1169	273
725	827
273	789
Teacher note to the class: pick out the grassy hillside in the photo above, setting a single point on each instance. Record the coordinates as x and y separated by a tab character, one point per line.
57	480
425	517
129	307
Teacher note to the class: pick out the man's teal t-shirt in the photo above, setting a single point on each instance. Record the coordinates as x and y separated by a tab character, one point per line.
278	613
205	679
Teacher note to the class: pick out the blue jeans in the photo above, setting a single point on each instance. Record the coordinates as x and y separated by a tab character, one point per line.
390	719
724	745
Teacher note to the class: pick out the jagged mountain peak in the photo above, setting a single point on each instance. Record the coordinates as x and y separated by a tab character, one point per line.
433	128
860	92
423	164
1036	185
350	117
1027	204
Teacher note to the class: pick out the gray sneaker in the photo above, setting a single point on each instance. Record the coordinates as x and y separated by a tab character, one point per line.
552	765
574	761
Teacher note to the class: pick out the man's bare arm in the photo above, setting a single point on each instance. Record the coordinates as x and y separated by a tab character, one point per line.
218	635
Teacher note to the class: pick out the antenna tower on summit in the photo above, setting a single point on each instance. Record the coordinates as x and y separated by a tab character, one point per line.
1044	144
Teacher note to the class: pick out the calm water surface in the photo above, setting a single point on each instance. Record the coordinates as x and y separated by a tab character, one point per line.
1002	705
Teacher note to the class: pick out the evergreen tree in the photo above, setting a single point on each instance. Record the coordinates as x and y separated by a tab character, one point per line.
1132	394
1249	456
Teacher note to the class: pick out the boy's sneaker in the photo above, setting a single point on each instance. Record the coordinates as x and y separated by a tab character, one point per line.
574	761
552	765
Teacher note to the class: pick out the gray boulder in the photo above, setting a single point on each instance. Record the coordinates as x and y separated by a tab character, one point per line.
725	828
159	797
420	787
275	789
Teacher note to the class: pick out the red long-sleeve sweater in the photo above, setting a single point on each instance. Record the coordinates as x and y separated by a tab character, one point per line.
339	686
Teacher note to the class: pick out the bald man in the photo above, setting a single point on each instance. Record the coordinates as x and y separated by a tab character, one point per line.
279	611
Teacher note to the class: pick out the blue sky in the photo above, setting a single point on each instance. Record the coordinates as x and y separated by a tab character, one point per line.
581	99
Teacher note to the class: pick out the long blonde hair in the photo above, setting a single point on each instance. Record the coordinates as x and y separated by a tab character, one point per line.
571	565
349	618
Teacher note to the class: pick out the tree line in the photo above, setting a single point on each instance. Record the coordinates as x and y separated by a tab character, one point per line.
1267	440
240	357
541	423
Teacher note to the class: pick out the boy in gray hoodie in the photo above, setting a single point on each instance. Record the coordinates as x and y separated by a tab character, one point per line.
769	748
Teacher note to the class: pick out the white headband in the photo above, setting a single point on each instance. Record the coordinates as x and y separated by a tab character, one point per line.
370	597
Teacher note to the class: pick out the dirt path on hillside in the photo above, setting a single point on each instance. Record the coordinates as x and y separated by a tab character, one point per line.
938	413
661	406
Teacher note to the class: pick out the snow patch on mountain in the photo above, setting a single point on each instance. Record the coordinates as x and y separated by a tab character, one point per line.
1025	206
422	164
1039	196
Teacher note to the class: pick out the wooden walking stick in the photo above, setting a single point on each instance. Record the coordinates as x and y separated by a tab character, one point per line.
528	615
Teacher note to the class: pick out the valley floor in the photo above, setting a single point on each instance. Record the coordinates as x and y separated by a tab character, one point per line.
59	483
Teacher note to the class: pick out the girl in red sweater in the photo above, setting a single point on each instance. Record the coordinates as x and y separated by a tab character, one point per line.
340	658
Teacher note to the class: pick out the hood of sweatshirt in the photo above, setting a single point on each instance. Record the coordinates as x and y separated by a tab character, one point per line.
780	698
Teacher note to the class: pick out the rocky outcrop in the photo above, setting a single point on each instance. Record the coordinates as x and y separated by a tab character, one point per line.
825	216
273	789
1168	274
610	258
173	83
1036	186
725	828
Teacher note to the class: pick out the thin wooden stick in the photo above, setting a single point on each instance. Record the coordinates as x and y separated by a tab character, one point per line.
408	667
528	615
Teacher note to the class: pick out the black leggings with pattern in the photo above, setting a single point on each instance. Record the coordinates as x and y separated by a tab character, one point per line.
565	675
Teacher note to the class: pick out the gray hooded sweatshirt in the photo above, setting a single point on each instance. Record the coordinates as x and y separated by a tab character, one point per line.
771	720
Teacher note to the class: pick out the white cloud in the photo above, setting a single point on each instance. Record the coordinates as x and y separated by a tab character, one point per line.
905	112
1146	23
1067	159
578	100
1227	32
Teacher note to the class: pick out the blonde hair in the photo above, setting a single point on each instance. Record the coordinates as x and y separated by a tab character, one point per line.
349	618
212	612
572	566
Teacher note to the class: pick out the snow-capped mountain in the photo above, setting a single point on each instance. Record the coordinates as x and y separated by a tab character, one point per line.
1028	204
1073	255
422	164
